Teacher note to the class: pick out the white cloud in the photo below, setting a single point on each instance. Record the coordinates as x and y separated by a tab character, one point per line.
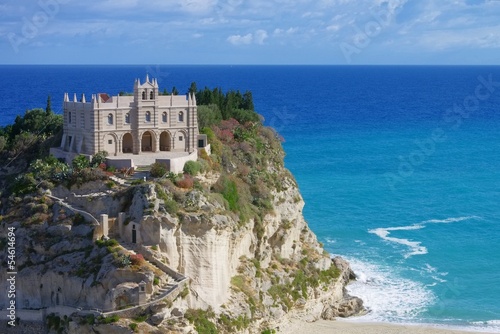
258	38
239	39
333	27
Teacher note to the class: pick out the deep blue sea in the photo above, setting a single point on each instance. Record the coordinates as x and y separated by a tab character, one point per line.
399	168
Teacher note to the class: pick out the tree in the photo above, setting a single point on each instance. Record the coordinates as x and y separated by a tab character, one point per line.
175	91
192	88
48	108
3	143
248	101
208	115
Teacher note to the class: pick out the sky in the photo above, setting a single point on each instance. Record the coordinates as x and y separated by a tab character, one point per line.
337	32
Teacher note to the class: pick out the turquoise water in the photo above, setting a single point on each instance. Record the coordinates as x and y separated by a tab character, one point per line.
395	178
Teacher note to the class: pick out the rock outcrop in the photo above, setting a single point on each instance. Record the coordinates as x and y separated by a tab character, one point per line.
238	234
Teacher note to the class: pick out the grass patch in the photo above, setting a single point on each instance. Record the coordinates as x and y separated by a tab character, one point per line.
200	320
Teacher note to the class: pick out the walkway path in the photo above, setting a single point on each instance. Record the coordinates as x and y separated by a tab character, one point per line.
72	208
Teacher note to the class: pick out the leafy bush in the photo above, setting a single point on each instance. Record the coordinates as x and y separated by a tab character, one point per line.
98	158
109	320
106	243
187	182
192	168
171	206
158	169
137	259
80	162
200	320
228	189
133	326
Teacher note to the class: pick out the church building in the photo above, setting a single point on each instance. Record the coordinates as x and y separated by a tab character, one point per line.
145	123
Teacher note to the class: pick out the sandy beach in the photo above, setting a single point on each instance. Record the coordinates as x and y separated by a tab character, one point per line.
344	327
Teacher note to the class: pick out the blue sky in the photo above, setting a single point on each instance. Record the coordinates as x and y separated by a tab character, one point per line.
250	32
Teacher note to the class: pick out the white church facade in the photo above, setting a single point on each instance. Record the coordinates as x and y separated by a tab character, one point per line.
130	128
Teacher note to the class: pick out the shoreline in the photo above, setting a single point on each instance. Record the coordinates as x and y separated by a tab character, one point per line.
297	326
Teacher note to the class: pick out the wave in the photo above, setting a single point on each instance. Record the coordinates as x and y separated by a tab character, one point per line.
391	298
415	246
449	220
387	296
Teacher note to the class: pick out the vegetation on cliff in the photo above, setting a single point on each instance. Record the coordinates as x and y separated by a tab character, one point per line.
243	179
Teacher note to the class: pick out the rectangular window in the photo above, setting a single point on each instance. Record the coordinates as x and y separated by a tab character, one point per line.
180	138
110	141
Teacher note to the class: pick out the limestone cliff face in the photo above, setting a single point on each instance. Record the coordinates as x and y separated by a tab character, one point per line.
252	260
248	268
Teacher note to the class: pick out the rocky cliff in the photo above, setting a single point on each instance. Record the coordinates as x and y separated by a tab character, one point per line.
235	230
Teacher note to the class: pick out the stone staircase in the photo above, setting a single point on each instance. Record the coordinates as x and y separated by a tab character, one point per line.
169	282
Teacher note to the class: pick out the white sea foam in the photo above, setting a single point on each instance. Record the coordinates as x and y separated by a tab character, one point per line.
330	241
388	296
450	220
415	246
491	326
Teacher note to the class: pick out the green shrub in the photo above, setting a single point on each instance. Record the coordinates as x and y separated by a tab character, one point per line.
184	292
109	320
171	206
228	189
158	169
141	318
268	331
106	243
199	319
80	162
133	326
137	182
98	158
192	168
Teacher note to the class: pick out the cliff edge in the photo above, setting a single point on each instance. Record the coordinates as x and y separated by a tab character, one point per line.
223	247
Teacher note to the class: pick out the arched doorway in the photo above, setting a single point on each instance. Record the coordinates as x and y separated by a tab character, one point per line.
165	141
109	144
147	142
127	143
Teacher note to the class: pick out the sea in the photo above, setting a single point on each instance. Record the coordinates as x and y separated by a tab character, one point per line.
399	167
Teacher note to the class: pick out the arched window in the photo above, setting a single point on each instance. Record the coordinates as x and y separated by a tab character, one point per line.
127	118
148	116
181	116
110	119
143	95
164	117
151	95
